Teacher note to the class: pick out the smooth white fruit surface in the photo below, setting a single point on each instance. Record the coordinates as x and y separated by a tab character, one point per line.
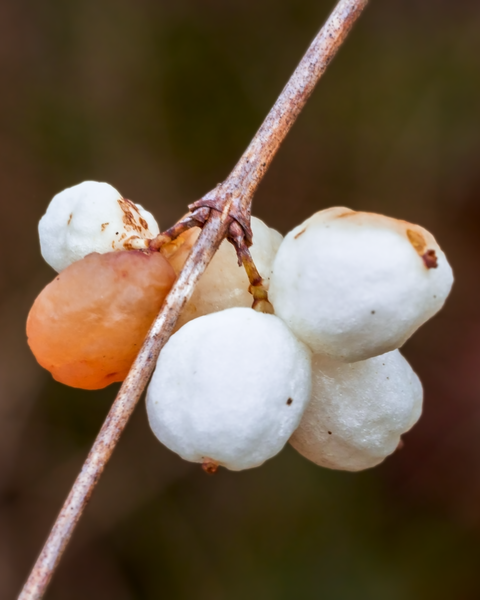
91	217
229	388
358	411
353	285
224	284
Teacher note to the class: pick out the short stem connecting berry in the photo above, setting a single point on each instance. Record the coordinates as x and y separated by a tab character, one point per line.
234	197
236	236
198	218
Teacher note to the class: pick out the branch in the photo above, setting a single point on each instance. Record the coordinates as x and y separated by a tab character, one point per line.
230	201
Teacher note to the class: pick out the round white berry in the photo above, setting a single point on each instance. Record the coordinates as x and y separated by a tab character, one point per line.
352	285
224	283
358	411
91	217
229	389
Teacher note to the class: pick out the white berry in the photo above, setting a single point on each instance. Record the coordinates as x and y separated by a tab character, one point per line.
91	217
358	411
353	285
229	389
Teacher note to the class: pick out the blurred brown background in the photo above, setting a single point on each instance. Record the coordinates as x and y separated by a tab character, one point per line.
159	98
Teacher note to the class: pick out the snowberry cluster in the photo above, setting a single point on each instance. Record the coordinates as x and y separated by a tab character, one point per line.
233	385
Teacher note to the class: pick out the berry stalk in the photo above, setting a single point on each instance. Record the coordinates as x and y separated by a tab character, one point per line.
230	201
261	303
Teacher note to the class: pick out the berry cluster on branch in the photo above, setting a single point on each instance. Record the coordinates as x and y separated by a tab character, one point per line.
224	213
234	384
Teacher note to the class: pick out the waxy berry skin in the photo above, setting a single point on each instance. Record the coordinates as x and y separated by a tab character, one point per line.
358	411
229	389
88	324
353	285
91	217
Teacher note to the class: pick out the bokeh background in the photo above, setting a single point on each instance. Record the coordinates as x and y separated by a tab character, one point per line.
160	98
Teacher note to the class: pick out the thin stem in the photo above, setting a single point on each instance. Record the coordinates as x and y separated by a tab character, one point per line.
236	236
231	200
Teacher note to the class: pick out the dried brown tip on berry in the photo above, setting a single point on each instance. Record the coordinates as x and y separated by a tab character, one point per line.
430	259
400	444
209	467
418	242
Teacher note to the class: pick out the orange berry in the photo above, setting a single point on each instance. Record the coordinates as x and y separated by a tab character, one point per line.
87	326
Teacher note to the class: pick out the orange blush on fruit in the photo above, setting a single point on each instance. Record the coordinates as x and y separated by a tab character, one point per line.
87	326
